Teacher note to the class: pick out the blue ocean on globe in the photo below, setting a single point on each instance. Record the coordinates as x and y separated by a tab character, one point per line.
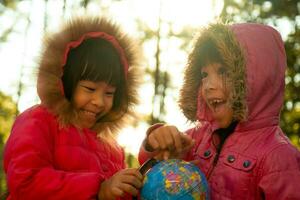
175	179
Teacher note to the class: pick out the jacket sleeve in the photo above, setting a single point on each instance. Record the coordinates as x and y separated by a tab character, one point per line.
30	170
281	175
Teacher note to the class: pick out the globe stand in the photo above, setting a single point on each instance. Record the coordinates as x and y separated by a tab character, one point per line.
145	167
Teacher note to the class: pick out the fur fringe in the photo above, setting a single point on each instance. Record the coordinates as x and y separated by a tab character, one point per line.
51	71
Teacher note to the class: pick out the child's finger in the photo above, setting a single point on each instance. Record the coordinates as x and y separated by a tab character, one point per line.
132	180
128	188
117	192
176	135
188	146
168	139
152	141
164	139
166	154
134	172
159	156
138	175
186	140
195	162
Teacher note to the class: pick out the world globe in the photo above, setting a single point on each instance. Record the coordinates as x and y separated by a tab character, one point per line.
174	179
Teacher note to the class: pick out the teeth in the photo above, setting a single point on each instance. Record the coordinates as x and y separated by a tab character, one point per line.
215	101
89	113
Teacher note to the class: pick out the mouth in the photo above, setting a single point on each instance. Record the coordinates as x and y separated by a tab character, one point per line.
89	114
214	103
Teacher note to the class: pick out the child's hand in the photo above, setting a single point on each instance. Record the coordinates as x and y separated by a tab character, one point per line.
124	181
168	142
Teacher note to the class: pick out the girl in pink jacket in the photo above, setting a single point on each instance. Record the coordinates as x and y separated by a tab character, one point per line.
64	148
233	90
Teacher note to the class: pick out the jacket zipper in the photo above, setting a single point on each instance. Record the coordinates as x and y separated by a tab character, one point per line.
216	158
215	161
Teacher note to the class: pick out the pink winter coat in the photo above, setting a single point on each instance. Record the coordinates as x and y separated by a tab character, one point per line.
40	158
257	161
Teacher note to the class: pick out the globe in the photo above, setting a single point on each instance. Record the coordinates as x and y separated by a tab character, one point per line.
174	179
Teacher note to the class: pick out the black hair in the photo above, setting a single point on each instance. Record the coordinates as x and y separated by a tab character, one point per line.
95	59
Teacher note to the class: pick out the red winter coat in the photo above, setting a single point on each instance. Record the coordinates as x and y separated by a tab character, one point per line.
43	161
257	160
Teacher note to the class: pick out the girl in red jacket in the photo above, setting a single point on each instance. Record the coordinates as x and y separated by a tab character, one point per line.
63	148
233	90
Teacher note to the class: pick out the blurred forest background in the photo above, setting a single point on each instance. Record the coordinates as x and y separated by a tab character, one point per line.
284	15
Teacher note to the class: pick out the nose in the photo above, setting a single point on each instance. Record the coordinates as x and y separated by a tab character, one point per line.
98	100
211	83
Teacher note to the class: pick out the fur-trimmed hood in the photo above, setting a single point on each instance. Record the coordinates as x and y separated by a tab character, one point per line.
255	57
49	83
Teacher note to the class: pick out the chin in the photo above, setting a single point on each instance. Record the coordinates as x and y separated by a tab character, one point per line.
223	124
87	125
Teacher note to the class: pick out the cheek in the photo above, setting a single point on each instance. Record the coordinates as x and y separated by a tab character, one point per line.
202	92
109	103
79	100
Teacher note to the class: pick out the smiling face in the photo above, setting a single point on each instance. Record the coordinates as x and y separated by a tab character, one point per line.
215	92
93	100
94	70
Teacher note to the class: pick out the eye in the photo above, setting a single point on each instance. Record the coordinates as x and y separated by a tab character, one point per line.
222	70
203	75
110	93
88	88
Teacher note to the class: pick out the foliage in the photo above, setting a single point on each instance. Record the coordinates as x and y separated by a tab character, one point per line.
7	115
291	111
9	3
259	11
131	160
162	79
